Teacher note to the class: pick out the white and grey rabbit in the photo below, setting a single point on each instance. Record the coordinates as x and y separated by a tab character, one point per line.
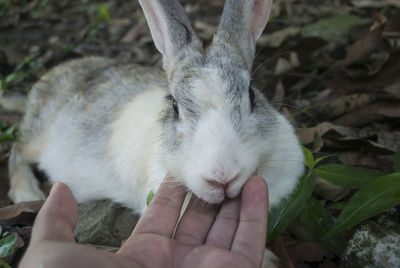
114	131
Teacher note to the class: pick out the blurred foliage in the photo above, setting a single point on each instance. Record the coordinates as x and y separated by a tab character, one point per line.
7	133
24	69
7	245
377	192
333	29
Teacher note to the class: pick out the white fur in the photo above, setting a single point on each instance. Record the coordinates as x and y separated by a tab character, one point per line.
221	145
24	187
213	154
284	162
135	136
132	148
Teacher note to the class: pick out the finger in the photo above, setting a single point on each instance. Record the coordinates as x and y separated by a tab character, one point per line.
57	218
196	222
163	212
67	255
224	228
251	234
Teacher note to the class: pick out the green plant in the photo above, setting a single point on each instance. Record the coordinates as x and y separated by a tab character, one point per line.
7	245
376	192
103	14
102	18
24	69
7	133
149	197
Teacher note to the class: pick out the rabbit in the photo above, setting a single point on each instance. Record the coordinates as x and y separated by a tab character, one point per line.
115	131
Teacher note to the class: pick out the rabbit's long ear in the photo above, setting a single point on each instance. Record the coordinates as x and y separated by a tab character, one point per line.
242	23
170	29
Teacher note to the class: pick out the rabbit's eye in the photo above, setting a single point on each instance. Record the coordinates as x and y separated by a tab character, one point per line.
252	99
175	106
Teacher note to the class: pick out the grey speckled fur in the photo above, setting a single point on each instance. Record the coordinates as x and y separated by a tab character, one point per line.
101	84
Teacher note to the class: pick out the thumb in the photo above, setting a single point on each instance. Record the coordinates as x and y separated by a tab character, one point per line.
57	218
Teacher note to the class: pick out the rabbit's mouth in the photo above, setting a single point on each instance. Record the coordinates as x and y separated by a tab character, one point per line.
215	196
216	192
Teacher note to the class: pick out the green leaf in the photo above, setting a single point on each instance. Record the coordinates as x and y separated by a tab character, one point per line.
346	176
317	221
374	198
338	205
333	29
149	197
103	15
322	158
384	10
8	134
308	157
397	160
7	245
4	264
284	214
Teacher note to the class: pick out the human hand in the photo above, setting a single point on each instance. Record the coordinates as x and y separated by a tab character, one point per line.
233	238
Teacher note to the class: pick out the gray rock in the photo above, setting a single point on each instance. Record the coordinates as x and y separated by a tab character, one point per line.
104	223
375	243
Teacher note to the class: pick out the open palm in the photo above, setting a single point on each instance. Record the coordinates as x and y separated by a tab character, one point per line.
233	238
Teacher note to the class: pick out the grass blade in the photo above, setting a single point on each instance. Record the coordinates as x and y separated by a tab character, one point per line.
397	161
317	221
376	197
308	157
282	216
149	197
346	176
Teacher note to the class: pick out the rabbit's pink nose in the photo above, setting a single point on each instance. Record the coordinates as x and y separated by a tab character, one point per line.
221	185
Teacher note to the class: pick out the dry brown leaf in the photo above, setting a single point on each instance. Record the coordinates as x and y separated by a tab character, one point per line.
306	135
10	118
279	95
133	34
308	252
389	139
279	249
379	20
392	28
318	143
393	89
387	76
355	158
331	108
363	47
330	191
12	211
376	62
370	113
283	65
375	3
275	39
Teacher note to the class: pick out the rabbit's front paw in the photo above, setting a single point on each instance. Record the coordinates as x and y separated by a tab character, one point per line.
26	193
